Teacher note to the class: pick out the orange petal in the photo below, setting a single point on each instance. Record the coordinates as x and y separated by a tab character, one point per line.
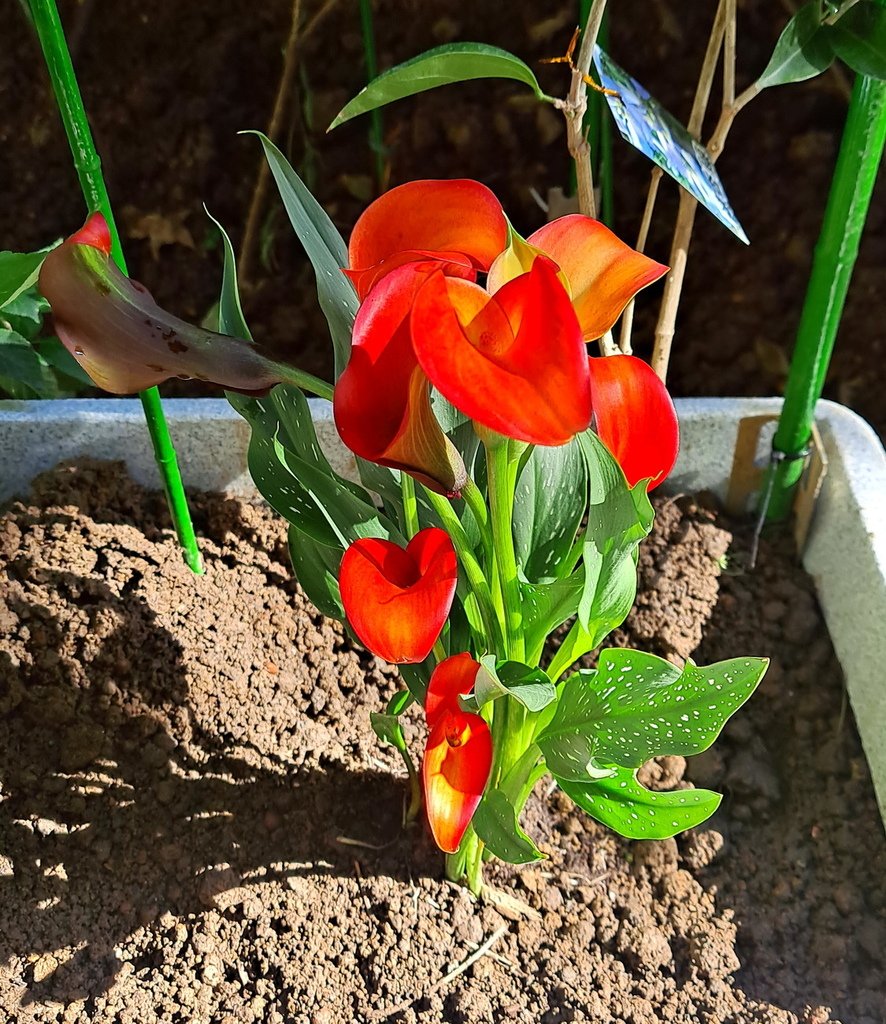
459	222
514	362
452	678
455	770
397	600
635	417
381	404
604	273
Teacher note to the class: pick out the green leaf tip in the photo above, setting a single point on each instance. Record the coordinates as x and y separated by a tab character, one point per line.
443	65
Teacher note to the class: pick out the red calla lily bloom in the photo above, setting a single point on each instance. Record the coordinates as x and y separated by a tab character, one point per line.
123	339
382	402
458	224
458	755
397	600
514	362
602	273
635	417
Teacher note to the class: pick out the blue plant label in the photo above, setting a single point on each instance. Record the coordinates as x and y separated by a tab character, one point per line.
647	126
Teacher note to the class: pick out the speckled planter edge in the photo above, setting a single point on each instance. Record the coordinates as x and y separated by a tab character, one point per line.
846	552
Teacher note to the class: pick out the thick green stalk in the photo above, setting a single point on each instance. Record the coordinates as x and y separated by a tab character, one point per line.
835	254
476	580
376	131
86	161
501	502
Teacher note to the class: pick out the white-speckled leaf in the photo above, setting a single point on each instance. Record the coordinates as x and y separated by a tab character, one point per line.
636	706
639	813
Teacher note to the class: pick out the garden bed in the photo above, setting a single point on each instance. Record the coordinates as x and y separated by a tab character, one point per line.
197	822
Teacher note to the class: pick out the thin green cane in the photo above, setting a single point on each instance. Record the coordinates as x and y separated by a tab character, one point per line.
88	166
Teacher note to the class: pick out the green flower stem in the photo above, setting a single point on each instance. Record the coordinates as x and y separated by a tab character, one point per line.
466	864
474	573
477	504
415	788
501	501
308	382
410	506
44	14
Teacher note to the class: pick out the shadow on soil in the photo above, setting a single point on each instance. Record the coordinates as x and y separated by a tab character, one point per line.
99	805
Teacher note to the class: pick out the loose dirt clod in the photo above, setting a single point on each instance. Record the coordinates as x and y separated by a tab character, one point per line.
180	755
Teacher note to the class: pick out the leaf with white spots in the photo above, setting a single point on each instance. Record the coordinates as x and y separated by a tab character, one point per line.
549	504
635	706
639	813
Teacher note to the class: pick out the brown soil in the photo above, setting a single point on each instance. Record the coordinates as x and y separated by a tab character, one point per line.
197	824
169	85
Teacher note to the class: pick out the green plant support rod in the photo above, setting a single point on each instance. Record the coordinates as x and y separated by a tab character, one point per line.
88	165
835	253
376	131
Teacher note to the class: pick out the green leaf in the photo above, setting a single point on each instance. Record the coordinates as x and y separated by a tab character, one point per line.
549	504
454	62
417	676
547	606
18	272
23	374
639	813
230	312
528	686
388	729
495	822
859	39
635	706
325	248
316	566
619	518
803	50
71	376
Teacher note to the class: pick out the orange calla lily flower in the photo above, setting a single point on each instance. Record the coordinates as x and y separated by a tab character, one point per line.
397	600
602	273
514	362
456	224
458	755
635	417
382	402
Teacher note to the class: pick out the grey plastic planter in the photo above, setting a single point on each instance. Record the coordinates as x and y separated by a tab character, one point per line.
846	551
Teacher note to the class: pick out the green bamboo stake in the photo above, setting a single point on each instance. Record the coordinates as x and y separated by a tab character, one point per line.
835	253
44	14
376	130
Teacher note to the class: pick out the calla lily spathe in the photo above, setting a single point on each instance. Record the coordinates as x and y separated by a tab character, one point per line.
634	417
458	754
601	272
456	224
123	339
397	600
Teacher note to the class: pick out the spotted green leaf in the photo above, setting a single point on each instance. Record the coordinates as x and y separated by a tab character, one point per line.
549	504
635	706
635	812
